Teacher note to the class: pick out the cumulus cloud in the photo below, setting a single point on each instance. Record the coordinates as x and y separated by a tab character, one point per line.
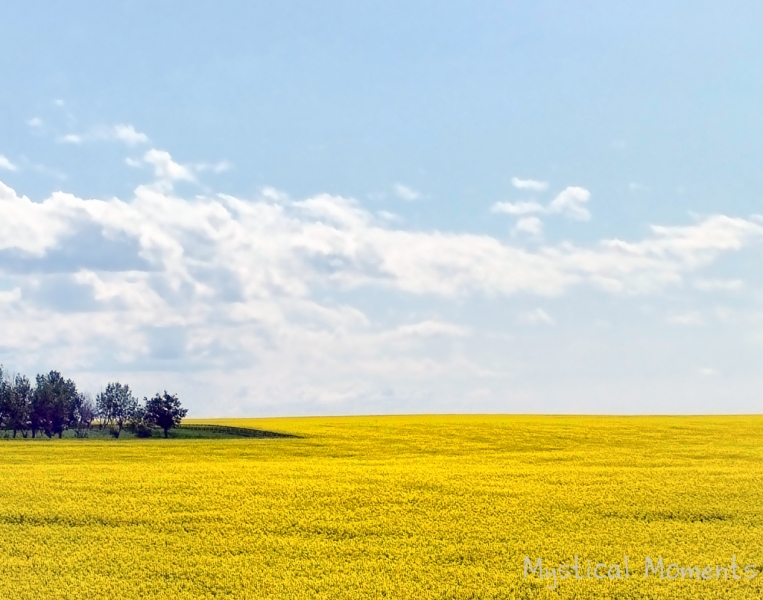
35	123
406	193
32	227
165	168
337	240
571	202
6	164
231	287
530	185
128	135
529	225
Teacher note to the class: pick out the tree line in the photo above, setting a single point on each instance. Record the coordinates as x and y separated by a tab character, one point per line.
52	404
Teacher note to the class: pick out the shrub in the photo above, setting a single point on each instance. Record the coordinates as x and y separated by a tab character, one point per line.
143	431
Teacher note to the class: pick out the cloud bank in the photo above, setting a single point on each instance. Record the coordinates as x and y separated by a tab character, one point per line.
253	302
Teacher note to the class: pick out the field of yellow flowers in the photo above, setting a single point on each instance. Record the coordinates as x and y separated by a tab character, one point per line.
391	507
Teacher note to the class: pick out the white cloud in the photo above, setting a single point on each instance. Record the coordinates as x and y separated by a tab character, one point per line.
529	225
71	138
30	226
406	193
117	133
537	316
337	240
388	216
165	168
708	372
432	328
517	208
570	202
688	319
35	123
713	285
529	184
128	135
253	293
218	167
6	164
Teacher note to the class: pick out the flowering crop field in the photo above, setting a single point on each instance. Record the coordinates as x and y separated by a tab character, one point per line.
391	507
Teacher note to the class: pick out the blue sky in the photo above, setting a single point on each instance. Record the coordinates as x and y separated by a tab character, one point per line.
366	207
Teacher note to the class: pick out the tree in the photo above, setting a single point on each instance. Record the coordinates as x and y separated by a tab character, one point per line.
15	402
17	405
140	424
116	405
4	390
84	413
53	403
164	410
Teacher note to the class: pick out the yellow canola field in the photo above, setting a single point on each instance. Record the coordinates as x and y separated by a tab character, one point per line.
389	507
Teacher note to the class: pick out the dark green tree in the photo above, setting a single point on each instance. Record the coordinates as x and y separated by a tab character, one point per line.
165	411
53	404
17	405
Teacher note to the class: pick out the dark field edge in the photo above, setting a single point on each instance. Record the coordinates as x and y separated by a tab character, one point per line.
237	431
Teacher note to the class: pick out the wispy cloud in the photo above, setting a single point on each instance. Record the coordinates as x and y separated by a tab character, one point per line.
406	193
431	328
714	285
126	134
708	372
219	167
50	172
7	164
518	208
531	185
71	138
688	319
537	316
